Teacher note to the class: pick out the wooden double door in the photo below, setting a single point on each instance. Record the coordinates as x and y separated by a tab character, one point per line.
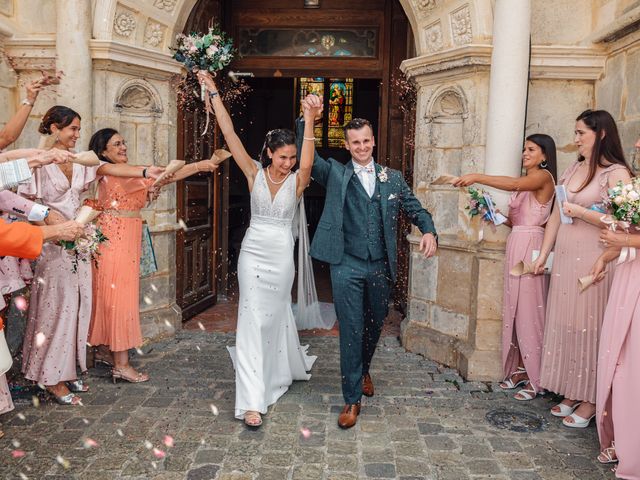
215	208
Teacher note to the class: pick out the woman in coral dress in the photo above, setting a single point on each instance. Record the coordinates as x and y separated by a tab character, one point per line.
618	355
572	328
524	300
115	322
60	305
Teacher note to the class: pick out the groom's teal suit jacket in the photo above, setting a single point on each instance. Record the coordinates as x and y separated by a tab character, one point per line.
328	243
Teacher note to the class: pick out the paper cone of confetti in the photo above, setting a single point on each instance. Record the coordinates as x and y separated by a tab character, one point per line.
86	215
88	159
173	167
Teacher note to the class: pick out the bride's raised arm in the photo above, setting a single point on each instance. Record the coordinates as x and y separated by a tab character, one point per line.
240	155
311	108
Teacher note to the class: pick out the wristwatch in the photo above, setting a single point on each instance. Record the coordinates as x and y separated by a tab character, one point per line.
26	102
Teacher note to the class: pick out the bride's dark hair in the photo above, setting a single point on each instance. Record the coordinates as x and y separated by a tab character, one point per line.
275	139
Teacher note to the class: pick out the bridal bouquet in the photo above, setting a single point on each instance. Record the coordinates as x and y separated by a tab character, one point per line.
211	52
624	202
85	248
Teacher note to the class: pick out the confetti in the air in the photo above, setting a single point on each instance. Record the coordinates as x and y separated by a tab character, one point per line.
306	433
40	339
18	453
214	410
89	443
168	441
63	461
21	303
159	453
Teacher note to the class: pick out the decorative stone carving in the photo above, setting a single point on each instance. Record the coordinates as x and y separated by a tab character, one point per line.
153	34
124	24
447	104
167	5
461	26
137	97
425	6
433	36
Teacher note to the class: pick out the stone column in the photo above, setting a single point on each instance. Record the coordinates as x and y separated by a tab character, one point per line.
507	90
73	57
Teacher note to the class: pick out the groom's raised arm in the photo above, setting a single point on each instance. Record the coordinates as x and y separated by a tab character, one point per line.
418	215
321	167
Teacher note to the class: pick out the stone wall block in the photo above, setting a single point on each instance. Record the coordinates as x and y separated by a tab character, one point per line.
165	247
419	338
450	323
612	84
419	311
455	281
490	289
445	216
632	107
488	335
481	365
145	143
156	291
424	277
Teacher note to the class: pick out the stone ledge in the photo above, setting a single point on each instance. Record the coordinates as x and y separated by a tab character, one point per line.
453	63
561	62
129	54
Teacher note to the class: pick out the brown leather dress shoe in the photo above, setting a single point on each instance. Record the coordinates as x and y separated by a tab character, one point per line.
367	385
349	415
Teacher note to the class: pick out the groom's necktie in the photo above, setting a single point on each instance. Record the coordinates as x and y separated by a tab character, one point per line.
365	174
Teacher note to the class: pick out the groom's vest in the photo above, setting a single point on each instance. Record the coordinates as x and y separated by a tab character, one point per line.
362	223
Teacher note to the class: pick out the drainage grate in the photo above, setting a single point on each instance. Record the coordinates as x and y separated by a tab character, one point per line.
515	421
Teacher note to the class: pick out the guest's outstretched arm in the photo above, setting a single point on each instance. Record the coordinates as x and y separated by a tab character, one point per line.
15	125
240	155
126	170
533	182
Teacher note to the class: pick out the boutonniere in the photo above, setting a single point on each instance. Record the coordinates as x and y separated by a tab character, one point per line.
382	175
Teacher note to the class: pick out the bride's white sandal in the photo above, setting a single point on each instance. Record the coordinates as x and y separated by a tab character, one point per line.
508	383
565	410
608	455
252	419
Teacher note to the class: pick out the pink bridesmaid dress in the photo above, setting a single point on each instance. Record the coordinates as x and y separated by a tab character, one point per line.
572	327
618	387
55	340
524	304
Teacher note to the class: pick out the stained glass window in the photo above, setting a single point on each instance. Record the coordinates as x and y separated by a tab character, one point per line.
338	108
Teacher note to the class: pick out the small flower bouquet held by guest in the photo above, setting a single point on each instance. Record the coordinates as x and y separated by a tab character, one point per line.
86	247
481	203
624	202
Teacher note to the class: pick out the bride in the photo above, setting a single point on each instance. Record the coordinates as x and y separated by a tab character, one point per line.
268	355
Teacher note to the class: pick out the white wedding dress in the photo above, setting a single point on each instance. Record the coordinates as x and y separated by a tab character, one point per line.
267	356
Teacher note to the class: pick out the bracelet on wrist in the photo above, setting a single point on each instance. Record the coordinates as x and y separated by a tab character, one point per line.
144	173
311	139
213	93
27	102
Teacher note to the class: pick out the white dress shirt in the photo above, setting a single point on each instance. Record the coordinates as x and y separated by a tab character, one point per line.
367	176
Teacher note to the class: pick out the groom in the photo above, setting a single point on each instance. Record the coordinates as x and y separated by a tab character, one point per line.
356	235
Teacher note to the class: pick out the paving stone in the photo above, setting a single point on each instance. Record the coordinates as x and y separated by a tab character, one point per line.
380	470
424	423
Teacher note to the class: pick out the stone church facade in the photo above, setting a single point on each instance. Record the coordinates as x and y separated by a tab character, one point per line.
481	87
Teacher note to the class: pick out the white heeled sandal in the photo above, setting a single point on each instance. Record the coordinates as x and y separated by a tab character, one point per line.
508	383
578	421
565	410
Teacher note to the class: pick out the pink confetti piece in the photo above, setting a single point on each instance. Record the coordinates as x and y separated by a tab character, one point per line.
21	303
40	339
18	453
306	433
159	453
168	441
89	443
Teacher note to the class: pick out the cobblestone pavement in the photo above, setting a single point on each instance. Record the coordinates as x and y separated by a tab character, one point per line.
424	422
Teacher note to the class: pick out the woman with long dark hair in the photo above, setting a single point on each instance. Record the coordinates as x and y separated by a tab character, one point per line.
268	355
115	320
60	306
574	318
524	299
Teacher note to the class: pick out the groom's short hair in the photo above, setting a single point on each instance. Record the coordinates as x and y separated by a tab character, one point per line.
357	124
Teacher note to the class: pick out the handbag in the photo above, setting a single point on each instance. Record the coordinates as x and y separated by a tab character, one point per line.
148	263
